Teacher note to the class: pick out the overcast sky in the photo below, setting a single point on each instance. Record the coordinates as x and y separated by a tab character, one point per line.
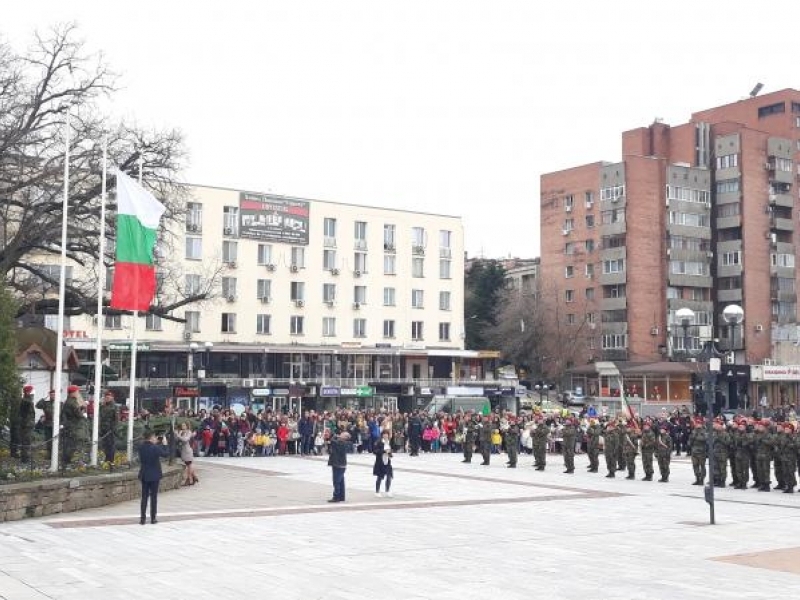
453	107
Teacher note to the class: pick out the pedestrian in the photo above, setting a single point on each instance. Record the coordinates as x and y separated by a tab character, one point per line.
151	452
108	426
414	434
382	469
337	460
593	434
184	437
664	452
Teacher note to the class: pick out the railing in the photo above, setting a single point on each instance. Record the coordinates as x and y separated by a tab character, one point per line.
236	381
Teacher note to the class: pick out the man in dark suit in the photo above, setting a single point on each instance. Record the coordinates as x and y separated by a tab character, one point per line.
150	454
337	460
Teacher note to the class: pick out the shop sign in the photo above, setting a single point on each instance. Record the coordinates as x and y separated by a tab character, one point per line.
329	390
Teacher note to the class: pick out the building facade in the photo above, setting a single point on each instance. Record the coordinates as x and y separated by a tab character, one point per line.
700	216
313	302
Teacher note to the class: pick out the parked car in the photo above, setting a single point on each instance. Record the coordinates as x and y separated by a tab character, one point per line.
573	399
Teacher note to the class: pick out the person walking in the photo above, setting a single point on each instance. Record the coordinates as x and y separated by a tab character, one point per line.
337	460
664	452
382	469
151	452
108	426
184	437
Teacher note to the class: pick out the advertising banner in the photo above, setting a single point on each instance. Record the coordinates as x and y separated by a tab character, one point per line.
273	218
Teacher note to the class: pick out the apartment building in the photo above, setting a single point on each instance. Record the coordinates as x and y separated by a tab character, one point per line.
698	215
313	301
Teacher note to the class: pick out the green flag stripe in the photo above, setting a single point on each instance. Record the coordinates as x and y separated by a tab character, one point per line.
135	242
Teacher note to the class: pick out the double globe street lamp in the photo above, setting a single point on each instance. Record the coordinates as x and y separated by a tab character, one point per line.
733	315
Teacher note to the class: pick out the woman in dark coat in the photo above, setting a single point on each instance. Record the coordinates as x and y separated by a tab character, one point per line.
383	463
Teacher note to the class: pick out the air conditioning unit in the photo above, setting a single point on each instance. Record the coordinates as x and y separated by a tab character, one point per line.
192	227
565	231
568	209
669	252
615	199
356	273
262	383
759	328
231	298
265	299
710	254
334	271
231	265
270	267
356	305
248	383
730	358
589	204
330	302
654	331
228	231
293	268
419	250
299	303
768	362
187	335
388	247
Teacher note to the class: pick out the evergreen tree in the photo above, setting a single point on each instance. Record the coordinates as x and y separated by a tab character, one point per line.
9	375
483	287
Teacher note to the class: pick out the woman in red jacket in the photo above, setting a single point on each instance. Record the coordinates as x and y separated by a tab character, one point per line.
283	437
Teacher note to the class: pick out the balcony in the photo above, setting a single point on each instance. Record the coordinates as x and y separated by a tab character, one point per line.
612	278
729	295
728	222
782	224
786	200
614	303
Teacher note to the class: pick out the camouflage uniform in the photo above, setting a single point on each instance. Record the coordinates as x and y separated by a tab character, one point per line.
743	442
763	458
469	441
539	436
593	446
648	449
26	419
664	453
108	428
631	449
486	440
789	459
722	442
512	445
73	422
46	406
568	435
621	432
698	450
610	448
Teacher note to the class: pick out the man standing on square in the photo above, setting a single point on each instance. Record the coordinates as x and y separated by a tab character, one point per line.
337	461
150	454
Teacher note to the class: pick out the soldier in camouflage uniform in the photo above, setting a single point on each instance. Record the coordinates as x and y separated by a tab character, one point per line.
539	437
789	458
621	431
593	434
631	448
664	452
698	450
568	435
722	443
610	448
512	445
26	419
73	424
777	434
764	443
733	432
469	439
46	406
108	426
743	442
486	439
648	449
13	423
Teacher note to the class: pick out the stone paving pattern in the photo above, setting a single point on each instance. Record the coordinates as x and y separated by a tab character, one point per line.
261	527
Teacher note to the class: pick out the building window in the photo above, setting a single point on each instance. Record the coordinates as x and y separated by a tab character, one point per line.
194	217
591	317
152	322
771	109
730	259
299	257
688	267
328	326
444	268
569	203
228	323
265	254
360	294
570	318
264	289
727	186
389	237
589	221
783	164
416	331
230	251
616	215
388	296
729	161
112	322
192	285
297	291
388	328
192	321
296	325
444	300
569	295
417	299
444	332
230	220
569	248
589	198
263	322
688	194
360	262
359	328
328	292
590	293
329	227
612	193
614	291
194	248
418	237
688	219
389	264
360	231
569	271
569	224
680	242
418	267
615	341
782	260
589	272
614	266
229	288
329	259
589	246
729	283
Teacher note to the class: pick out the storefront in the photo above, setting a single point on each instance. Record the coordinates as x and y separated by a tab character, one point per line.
775	386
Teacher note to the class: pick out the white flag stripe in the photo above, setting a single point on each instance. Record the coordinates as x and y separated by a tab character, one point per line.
133	199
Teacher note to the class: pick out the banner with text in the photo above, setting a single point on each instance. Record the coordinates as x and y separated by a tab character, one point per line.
273	218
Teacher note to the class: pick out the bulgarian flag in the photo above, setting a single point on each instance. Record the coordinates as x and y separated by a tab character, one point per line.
138	214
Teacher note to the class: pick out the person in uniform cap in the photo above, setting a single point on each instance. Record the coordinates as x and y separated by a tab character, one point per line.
108	426
610	450
664	445
469	439
742	443
648	450
539	439
721	444
73	419
46	406
512	445
26	419
631	448
486	439
698	451
568	435
789	449
593	434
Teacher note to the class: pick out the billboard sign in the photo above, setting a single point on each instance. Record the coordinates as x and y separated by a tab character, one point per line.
273	218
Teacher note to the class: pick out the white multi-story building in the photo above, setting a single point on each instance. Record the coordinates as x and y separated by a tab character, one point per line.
311	299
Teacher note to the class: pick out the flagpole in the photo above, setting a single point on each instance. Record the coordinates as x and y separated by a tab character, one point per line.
134	345
101	281
58	384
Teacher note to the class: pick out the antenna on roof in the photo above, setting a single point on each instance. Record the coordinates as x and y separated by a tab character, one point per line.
754	92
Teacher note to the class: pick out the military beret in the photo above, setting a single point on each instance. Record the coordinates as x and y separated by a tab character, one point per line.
27	388
72	389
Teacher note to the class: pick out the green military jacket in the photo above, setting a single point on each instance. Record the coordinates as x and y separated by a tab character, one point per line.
697	441
108	418
722	441
593	434
664	445
648	441
630	443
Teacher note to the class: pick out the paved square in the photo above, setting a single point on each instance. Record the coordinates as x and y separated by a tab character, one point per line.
262	527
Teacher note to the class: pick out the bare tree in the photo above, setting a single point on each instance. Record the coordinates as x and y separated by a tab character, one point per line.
519	332
37	89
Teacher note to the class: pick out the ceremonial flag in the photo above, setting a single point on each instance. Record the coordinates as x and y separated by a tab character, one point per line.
138	215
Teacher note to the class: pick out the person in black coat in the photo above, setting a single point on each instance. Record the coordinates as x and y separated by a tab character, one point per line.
415	434
337	460
383	463
150	455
